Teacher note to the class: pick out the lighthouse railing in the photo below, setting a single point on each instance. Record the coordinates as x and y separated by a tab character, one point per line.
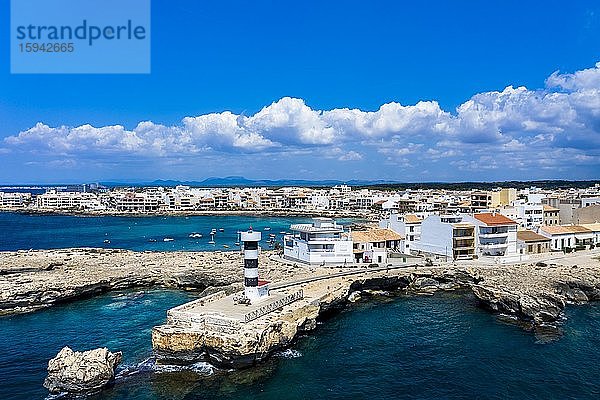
274	305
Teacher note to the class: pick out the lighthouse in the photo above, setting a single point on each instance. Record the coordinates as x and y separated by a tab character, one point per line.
254	289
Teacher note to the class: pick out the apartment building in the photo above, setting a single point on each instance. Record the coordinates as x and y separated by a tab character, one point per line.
406	225
496	234
54	199
140	202
14	200
550	215
450	236
527	215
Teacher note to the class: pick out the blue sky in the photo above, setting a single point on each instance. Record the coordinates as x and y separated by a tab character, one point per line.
419	91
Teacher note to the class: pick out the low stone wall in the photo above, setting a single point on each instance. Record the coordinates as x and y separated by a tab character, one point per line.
274	305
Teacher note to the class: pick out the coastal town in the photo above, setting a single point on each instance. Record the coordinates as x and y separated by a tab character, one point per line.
525	253
500	225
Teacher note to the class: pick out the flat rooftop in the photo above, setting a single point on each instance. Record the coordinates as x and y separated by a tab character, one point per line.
310	228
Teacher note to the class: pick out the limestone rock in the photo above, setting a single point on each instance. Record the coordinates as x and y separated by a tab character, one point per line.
425	283
354	297
81	372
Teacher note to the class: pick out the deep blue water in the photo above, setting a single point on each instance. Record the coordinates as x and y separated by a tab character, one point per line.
439	347
22	231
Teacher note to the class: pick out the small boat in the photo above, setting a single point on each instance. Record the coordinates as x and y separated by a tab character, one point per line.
237	243
225	246
195	235
268	228
168	239
106	241
283	233
272	235
221	230
213	231
152	240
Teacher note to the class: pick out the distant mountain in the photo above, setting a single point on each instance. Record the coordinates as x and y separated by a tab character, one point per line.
231	181
239	181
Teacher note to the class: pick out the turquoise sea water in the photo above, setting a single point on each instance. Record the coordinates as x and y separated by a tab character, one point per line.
22	231
439	347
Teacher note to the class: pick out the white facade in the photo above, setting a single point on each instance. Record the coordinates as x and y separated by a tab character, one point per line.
322	242
567	236
14	200
494	237
527	215
446	235
590	201
68	200
408	226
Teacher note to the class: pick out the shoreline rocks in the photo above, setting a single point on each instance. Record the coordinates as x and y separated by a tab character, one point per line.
27	284
534	294
85	372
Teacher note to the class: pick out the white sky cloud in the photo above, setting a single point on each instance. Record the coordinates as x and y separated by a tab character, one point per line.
518	127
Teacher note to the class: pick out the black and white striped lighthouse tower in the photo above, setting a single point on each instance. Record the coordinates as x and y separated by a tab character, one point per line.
253	288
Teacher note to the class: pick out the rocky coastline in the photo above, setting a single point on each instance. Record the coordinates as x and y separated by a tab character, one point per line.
533	294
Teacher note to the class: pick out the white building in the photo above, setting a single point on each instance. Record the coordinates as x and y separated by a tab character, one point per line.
54	199
446	235
464	236
14	200
496	235
408	226
322	242
373	245
595	229
527	215
567	236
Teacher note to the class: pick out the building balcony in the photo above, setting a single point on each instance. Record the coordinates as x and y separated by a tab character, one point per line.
464	244
491	246
493	235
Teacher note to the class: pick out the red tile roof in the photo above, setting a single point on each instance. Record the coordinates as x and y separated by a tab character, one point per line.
494	219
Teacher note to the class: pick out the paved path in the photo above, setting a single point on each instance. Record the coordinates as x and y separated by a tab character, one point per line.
354	271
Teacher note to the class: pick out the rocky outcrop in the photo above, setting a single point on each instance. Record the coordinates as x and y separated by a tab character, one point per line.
33	280
241	348
81	372
538	303
538	310
255	341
